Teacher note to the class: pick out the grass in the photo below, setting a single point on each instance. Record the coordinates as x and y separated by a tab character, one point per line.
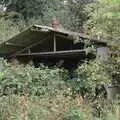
59	107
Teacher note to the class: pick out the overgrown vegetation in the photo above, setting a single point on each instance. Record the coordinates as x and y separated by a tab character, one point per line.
28	93
104	20
39	81
90	75
49	94
8	29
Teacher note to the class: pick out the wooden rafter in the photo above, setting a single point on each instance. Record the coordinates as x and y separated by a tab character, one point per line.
13	44
28	47
54	53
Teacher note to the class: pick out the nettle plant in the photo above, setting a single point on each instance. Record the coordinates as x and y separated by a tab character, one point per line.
15	79
89	76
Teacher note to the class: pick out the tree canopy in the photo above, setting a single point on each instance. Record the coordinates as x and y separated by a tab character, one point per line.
104	20
71	13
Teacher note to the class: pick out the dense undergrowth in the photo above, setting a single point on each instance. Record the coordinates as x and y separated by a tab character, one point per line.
29	93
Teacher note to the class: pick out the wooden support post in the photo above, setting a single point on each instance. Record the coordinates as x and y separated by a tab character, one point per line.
54	38
29	51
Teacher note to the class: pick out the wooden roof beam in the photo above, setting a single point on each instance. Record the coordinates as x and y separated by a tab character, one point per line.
28	47
54	53
13	44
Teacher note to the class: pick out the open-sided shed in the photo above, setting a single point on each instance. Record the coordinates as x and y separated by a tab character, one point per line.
42	43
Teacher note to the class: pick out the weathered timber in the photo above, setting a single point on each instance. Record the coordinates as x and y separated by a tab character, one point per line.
57	53
13	44
54	39
28	47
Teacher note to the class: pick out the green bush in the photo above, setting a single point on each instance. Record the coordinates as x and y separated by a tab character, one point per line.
103	23
115	70
89	75
75	114
42	93
18	79
7	30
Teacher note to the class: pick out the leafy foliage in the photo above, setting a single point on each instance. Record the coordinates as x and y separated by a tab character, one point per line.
7	29
76	15
75	114
104	20
37	8
37	81
44	93
71	14
114	70
90	74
